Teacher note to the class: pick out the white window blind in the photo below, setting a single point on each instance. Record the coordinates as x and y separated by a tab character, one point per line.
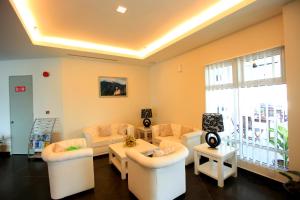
220	76
261	69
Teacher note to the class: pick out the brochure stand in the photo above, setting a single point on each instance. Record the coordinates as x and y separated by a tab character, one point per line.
40	136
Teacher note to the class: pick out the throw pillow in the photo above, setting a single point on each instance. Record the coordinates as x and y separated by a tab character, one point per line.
165	130
58	148
158	153
72	148
185	130
104	131
122	129
163	151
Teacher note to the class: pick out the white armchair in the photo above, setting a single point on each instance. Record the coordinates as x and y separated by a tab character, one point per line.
187	136
111	133
157	178
70	172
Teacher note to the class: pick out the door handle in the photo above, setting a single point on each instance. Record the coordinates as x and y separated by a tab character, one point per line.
12	122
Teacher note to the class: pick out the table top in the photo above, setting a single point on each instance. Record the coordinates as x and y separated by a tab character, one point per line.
221	151
141	146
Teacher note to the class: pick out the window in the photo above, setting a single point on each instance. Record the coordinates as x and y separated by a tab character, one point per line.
250	92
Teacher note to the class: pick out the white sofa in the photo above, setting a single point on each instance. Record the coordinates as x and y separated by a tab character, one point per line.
70	172
157	178
100	143
188	139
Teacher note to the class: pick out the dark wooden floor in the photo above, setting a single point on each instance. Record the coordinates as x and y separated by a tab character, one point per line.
23	179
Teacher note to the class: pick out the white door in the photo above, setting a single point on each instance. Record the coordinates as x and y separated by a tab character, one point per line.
21	112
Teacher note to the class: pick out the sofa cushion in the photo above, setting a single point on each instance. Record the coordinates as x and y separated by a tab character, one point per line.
170	138
117	138
102	141
185	130
122	130
58	148
165	148
165	130
104	131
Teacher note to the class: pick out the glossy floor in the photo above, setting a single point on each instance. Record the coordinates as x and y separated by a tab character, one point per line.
23	179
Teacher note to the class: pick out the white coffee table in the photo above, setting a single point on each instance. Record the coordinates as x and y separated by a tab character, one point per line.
216	170
118	158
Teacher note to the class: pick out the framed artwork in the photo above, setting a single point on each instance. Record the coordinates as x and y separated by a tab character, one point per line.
112	86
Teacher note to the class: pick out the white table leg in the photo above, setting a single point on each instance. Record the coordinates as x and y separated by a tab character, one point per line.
234	164
123	169
110	156
220	173
196	162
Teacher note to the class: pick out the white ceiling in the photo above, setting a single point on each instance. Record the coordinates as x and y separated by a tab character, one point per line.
97	21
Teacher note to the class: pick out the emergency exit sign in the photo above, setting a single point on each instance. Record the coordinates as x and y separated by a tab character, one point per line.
20	88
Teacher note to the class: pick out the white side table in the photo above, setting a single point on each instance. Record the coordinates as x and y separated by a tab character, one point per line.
144	133
216	170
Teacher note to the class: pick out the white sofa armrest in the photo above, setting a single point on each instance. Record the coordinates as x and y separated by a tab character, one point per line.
49	156
130	129
192	135
88	138
155	130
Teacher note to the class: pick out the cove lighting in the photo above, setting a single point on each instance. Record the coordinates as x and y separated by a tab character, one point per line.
121	9
208	16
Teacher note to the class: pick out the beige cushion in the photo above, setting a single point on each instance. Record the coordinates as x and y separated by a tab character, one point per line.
185	130
104	131
165	148
102	141
165	130
122	130
118	138
170	138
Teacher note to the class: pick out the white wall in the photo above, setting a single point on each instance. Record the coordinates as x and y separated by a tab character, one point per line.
46	91
81	102
291	17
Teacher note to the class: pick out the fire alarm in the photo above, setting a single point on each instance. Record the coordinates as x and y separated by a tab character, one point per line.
46	74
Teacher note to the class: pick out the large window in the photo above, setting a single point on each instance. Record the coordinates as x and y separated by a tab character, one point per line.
250	93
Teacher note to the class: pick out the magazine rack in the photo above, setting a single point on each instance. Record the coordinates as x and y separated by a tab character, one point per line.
40	136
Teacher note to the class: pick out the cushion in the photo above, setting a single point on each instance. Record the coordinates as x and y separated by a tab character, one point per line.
169	138
58	148
102	141
122	130
165	130
185	130
104	131
165	149
72	148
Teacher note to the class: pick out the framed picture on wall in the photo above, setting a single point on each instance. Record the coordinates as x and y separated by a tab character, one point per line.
112	86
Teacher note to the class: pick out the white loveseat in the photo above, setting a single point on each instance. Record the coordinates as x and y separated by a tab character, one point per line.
187	136
100	143
70	172
157	178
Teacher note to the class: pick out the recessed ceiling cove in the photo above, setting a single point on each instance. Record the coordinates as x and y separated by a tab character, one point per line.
95	26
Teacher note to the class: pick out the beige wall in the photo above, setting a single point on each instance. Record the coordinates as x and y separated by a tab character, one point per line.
180	96
291	20
71	93
81	103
